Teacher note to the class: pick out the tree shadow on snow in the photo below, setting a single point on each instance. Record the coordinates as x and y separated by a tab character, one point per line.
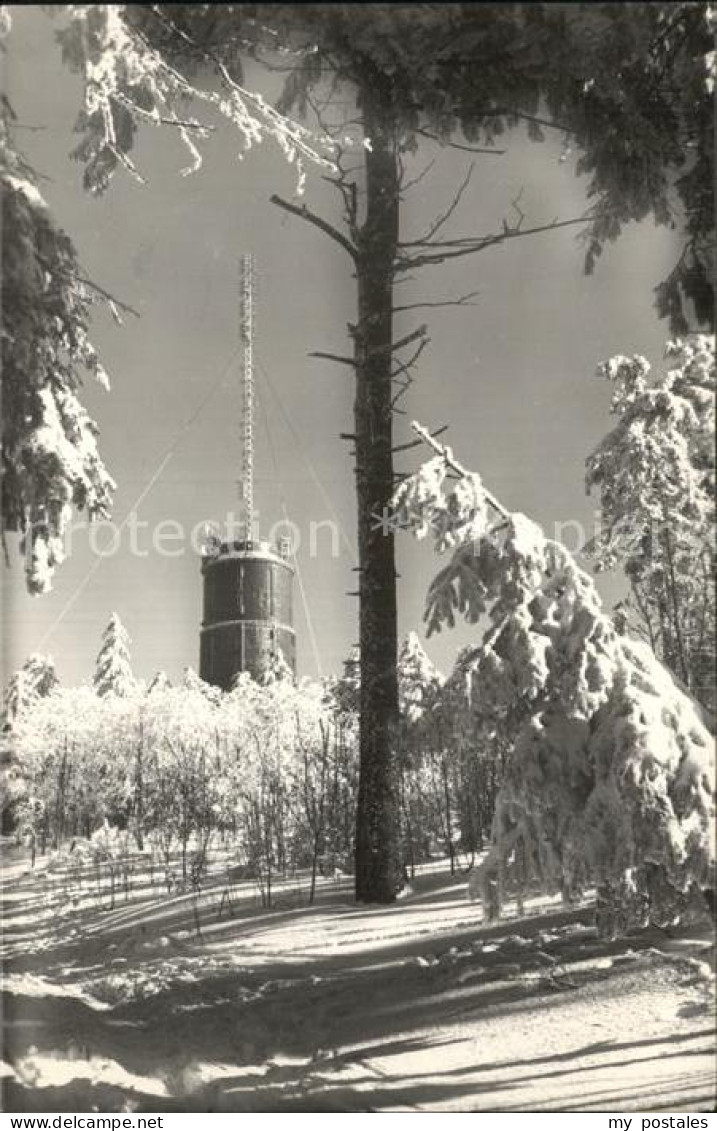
331	1012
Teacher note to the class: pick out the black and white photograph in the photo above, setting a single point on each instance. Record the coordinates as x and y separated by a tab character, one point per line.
358	523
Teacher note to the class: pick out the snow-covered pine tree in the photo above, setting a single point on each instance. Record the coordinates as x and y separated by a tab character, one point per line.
277	668
345	689
51	462
113	671
159	682
611	777
655	475
192	681
35	679
418	679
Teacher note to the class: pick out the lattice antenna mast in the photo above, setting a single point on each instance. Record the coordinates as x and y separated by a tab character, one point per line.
247	339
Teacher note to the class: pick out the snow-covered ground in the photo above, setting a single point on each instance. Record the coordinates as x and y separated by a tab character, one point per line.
416	1007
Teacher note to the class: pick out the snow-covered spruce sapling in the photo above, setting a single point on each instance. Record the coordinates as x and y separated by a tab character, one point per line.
51	461
113	671
610	779
654	473
34	680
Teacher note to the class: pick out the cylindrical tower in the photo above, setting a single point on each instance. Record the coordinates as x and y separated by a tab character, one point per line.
247	622
248	619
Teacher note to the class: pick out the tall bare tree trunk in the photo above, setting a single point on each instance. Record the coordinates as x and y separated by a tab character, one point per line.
378	864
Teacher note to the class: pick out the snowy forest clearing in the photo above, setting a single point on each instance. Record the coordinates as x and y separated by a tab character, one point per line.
413	1007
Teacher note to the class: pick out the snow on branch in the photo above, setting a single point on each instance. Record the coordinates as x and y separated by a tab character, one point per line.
610	777
127	80
52	461
654	474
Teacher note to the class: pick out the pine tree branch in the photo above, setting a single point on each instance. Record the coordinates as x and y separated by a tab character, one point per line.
349	195
510	112
333	357
178	123
404	186
340	180
74	277
299	136
455	249
103	294
311	218
404	368
412	337
426	240
407	447
405	386
670	24
462	300
452	462
490	151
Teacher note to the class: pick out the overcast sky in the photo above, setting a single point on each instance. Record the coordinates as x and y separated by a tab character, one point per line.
511	376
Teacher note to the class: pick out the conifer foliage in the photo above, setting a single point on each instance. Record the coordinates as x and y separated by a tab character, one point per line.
35	679
610	778
129	80
51	463
655	476
113	671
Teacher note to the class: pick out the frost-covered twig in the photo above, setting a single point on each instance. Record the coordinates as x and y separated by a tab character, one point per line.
452	462
127	79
